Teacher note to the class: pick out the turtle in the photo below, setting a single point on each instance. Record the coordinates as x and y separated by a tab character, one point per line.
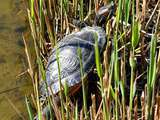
66	65
69	59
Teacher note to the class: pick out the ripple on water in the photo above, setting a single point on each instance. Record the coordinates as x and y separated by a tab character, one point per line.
2	60
20	43
12	24
20	29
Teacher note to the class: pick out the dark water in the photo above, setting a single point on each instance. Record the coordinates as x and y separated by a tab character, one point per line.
12	61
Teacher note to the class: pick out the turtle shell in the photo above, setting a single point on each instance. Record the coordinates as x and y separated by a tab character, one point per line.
69	59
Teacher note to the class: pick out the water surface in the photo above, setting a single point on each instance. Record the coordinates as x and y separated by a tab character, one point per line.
12	61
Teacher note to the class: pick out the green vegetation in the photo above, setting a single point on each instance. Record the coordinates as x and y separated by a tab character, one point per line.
131	56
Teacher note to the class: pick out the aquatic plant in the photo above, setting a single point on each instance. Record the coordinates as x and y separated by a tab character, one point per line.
127	62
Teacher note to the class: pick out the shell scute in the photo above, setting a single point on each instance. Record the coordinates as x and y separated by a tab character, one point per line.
69	59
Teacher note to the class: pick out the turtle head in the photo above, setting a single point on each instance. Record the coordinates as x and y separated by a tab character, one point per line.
103	14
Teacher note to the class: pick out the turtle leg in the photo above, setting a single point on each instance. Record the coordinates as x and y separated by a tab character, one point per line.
45	113
49	111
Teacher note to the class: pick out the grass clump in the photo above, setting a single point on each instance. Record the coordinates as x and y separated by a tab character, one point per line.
129	73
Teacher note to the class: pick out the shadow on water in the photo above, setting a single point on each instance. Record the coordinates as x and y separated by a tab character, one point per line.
13	62
2	60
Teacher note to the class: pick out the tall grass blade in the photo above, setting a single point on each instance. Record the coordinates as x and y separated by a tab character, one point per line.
66	92
100	74
60	84
32	8
76	111
81	10
83	83
135	33
132	64
41	18
37	98
43	76
29	109
127	10
151	78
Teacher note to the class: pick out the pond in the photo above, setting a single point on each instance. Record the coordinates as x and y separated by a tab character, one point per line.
14	83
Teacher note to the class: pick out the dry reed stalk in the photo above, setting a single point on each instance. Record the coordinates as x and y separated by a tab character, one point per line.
137	9
55	106
93	106
151	17
81	114
143	106
136	108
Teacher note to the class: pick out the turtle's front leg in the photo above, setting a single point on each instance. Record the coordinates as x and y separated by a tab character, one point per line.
46	113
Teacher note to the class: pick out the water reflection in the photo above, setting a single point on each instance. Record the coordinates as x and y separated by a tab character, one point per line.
12	61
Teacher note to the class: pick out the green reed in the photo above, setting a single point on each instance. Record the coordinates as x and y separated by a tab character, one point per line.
29	109
83	83
100	74
151	78
122	37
